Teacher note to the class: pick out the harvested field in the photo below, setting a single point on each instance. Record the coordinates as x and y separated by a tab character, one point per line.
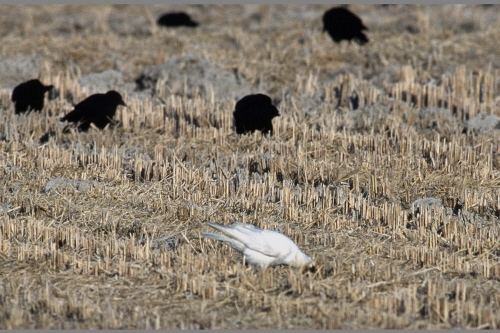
384	167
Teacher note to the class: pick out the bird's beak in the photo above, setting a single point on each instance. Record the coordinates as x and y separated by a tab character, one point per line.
310	268
122	103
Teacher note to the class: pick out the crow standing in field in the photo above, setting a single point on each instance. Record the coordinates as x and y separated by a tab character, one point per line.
29	95
98	109
254	112
341	24
261	247
176	19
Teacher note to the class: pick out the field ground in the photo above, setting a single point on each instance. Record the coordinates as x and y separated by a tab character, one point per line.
397	201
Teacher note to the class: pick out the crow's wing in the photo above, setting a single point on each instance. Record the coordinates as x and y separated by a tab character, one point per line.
84	109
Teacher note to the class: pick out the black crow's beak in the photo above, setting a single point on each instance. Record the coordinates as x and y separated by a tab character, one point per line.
122	103
48	88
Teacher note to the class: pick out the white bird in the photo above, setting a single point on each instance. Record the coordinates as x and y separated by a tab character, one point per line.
260	247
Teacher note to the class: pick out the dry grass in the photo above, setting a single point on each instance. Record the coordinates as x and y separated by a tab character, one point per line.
127	252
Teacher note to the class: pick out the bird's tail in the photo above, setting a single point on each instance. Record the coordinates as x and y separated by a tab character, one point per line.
217	237
218	226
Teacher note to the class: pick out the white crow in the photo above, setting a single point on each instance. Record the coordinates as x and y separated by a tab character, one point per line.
260	247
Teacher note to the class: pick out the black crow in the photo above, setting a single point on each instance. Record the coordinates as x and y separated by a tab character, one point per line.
98	109
29	95
176	19
254	112
341	24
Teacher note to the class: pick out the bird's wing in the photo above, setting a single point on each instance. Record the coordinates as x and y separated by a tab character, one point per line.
263	241
268	242
229	241
74	115
83	109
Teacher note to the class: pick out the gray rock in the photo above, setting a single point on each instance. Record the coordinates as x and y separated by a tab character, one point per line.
425	203
383	75
69	24
483	123
60	183
168	243
188	75
129	25
5	207
310	106
439	119
105	81
17	70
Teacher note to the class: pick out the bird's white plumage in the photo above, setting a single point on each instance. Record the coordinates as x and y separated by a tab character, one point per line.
261	247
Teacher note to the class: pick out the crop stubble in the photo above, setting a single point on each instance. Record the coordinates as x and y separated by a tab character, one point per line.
126	252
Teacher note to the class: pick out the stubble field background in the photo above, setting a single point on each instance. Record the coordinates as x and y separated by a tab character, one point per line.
397	200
